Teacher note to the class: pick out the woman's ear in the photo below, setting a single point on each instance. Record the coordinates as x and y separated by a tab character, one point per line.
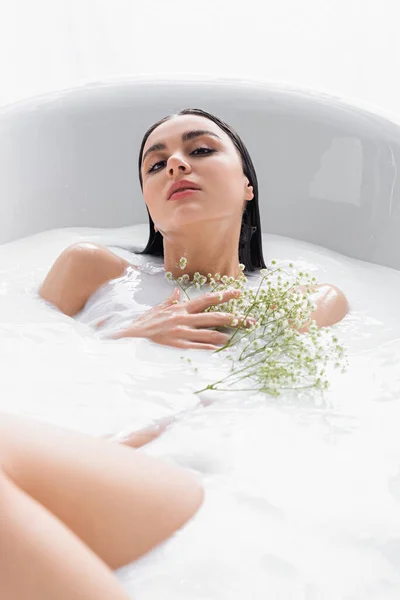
249	194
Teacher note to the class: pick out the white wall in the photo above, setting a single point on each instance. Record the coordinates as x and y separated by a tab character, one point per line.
349	48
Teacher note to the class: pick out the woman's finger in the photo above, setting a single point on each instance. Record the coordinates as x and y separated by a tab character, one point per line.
202	302
176	295
203	335
216	319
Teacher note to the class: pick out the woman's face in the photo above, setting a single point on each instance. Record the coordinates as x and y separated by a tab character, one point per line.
193	150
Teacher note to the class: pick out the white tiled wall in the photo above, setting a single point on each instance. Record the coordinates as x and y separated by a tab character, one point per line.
349	48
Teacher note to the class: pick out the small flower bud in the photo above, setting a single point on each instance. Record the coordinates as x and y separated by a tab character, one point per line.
182	262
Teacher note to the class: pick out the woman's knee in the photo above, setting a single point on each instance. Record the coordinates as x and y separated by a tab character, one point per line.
189	497
197	495
332	305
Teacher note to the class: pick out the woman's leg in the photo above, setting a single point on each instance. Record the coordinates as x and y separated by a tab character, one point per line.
41	559
119	502
332	305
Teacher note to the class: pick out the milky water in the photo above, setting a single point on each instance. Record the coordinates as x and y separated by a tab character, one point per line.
302	493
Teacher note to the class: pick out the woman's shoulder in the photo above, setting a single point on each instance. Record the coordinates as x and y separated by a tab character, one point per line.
129	256
142	262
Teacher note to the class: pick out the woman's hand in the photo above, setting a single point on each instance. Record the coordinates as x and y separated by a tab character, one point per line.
184	325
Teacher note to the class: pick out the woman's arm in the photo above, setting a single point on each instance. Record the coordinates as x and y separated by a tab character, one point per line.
137	439
77	273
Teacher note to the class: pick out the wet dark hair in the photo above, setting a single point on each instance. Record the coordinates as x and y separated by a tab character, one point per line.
250	241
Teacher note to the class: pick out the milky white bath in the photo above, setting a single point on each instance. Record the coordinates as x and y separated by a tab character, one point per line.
302	491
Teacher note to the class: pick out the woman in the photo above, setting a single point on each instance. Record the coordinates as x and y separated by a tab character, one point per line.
201	194
74	507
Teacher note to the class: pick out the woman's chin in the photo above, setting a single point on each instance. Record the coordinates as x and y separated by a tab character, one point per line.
185	226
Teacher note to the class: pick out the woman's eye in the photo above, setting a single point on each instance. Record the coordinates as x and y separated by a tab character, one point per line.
203	151
156	166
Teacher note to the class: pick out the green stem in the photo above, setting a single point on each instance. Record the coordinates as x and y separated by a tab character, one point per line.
267	344
228	376
229	342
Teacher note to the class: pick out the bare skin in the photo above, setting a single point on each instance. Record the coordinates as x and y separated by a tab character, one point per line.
77	273
74	504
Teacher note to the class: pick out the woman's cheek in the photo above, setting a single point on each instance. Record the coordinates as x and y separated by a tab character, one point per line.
149	194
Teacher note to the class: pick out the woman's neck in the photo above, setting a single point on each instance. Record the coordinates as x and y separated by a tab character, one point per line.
206	254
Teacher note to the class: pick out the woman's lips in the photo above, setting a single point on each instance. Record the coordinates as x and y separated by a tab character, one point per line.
183	193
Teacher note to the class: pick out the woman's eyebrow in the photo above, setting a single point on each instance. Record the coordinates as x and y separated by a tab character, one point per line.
188	135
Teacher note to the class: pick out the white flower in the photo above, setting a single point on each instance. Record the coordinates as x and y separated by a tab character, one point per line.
272	351
182	262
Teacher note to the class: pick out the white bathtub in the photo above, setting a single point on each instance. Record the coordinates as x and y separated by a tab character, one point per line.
327	170
302	494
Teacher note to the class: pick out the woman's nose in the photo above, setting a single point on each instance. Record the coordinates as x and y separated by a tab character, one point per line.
177	164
